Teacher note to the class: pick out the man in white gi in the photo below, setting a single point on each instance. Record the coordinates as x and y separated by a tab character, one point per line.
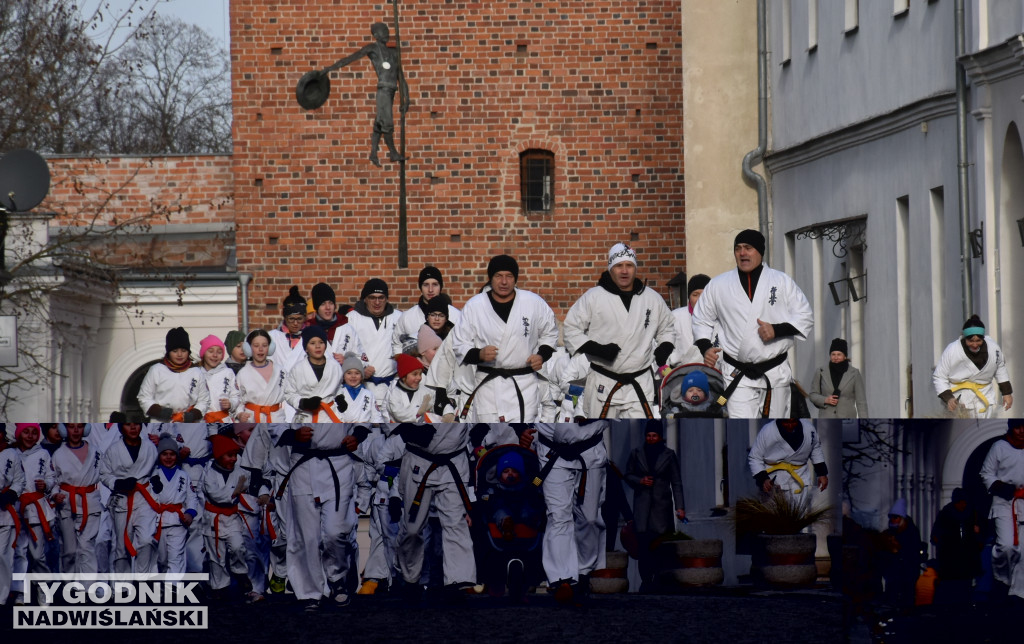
573	460
12	484
508	334
969	370
624	328
1003	475
434	472
787	454
685	352
757	312
374	320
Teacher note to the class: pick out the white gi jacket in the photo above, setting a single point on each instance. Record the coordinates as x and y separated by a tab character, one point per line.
770	450
403	404
408	326
725	306
448	439
69	472
285	355
35	462
220	382
254	390
117	463
177	490
376	340
955	368
12	477
531	324
1003	463
314	476
362	408
685	352
301	382
569	433
179	391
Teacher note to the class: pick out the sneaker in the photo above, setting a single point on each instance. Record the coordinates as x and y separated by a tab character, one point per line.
278	584
369	587
341	598
311	605
253	597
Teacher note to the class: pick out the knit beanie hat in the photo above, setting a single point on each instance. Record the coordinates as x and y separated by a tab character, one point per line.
407	364
20	427
372	286
697	282
436	305
223	445
621	253
513	460
974	326
314	331
427	339
177	338
899	508
210	341
696	378
350	362
322	293
294	303
430	273
500	263
752	237
165	443
232	339
839	344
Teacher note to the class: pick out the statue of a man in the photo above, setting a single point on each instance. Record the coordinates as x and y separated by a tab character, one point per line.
389	78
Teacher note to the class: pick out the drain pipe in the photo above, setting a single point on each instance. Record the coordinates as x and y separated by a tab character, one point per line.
962	161
243	281
756	155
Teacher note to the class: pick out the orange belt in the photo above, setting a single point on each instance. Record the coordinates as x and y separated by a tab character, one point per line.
14	515
82	491
266	517
262	410
215	416
143	489
33	498
219	511
179	417
326	408
167	507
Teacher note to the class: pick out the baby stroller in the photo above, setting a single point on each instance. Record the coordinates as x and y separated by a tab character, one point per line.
510	515
675	405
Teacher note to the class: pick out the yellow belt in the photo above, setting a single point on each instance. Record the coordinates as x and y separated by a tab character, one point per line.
789	467
976	388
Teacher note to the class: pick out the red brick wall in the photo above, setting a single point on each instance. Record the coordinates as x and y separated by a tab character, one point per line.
597	83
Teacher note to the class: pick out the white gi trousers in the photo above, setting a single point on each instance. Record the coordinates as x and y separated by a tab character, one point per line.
747	402
141	529
226	548
7	534
1007	564
456	540
79	547
171	549
319	539
279	545
574	542
382	559
257	547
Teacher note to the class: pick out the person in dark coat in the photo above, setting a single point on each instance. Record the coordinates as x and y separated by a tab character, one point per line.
901	557
957	537
653	473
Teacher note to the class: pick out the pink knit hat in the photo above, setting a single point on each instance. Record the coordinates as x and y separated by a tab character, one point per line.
20	427
210	341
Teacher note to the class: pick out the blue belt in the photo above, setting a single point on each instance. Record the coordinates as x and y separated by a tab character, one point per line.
383	380
202	460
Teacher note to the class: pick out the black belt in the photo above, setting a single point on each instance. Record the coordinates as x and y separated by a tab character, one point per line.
568	452
752	370
620	380
310	454
494	372
437	461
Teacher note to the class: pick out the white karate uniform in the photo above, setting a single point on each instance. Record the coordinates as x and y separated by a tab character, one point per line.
574	541
955	368
140	527
12	477
263	452
179	391
1005	463
79	514
301	382
403	404
255	392
346	340
322	516
408	326
220	383
531	324
362	408
771	453
377	451
30	554
685	352
286	354
558	374
223	532
178	490
440	491
600	316
724	307
377	346
446	372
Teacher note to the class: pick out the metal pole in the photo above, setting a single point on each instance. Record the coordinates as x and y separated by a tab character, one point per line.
403	241
963	181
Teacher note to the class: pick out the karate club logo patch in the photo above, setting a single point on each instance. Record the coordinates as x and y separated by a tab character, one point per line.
773	297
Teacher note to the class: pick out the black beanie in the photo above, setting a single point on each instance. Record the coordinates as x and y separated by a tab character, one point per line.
313	331
177	338
322	293
294	302
839	344
752	237
436	305
696	282
374	285
431	273
500	263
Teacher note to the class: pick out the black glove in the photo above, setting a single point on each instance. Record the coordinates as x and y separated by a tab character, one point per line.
7	498
395	509
606	352
156	483
310	404
360	432
662	353
192	416
477	434
441	400
125	486
156	412
340	402
255	481
1003	489
417	434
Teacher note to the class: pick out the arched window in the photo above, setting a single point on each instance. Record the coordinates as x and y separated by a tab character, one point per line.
130	393
537	180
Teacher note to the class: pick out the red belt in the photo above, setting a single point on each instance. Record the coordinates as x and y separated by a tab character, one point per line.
82	491
141	488
14	515
262	410
33	498
215	416
326	408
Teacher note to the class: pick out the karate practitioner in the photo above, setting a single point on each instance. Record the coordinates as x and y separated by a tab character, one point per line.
178	505
356	402
573	460
220	380
76	469
374	320
382	456
268	463
125	470
787	454
431	285
685	352
287	339
12	484
757	313
508	334
260	382
624	328
312	384
174	390
37	516
1003	475
968	371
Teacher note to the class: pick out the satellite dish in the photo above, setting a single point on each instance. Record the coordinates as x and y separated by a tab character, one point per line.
24	180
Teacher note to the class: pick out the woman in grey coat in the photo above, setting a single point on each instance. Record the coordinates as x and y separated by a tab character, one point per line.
653	473
837	390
